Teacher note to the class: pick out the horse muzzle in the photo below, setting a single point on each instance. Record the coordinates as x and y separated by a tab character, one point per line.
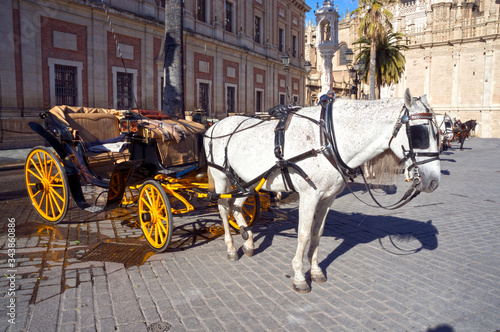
428	186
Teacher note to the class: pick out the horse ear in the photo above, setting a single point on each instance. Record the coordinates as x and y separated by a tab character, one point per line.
408	98
424	100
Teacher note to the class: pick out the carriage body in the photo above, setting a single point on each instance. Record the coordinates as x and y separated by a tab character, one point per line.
140	158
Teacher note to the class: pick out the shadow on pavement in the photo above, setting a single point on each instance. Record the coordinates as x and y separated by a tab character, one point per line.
359	228
398	236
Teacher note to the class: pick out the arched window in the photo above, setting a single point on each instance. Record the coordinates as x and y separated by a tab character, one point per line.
342	57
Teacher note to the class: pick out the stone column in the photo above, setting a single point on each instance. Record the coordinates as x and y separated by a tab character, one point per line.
326	75
484	127
455	101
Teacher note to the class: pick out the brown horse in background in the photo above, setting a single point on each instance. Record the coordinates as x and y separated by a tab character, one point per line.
461	131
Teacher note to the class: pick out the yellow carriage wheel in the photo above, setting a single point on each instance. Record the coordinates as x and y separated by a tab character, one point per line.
250	212
155	215
131	195
47	184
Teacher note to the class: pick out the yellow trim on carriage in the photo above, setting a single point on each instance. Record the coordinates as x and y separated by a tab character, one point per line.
261	183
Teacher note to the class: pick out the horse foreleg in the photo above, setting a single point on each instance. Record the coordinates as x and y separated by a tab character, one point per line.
246	233
317	274
306	216
224	209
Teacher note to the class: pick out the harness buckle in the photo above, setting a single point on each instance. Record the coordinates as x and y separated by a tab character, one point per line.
416	175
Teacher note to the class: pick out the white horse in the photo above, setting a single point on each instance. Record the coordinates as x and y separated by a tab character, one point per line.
446	128
363	130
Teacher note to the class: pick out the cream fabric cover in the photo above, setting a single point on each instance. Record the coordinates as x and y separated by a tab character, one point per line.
100	124
92	123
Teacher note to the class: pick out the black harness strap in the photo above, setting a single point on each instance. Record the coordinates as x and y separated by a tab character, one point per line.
285	117
329	141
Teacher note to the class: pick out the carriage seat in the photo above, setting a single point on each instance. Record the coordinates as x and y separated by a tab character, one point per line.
93	125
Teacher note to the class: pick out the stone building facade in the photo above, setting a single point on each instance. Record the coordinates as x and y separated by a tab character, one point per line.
66	52
453	57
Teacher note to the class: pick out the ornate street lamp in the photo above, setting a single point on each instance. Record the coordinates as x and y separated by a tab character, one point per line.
286	63
349	56
285	60
307	67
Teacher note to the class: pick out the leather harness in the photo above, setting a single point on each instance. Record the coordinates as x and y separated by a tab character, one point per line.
329	149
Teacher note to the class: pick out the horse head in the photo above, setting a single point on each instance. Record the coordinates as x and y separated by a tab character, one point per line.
417	143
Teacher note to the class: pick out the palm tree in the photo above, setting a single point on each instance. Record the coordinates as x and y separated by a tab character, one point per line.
390	61
373	24
173	88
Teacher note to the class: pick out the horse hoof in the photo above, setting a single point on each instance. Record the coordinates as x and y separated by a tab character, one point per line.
232	256
301	287
248	251
318	277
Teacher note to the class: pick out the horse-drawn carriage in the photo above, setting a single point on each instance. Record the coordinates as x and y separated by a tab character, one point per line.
313	151
454	130
136	157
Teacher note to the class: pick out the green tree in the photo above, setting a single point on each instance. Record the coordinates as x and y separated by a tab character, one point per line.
390	61
373	24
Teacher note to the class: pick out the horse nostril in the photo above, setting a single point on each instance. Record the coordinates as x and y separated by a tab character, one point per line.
433	185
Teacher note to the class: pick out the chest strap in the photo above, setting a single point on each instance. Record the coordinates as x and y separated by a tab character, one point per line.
285	114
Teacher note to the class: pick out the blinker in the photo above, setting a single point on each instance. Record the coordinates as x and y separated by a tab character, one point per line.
419	135
405	118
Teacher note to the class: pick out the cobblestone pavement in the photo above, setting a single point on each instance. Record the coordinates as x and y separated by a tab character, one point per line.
433	265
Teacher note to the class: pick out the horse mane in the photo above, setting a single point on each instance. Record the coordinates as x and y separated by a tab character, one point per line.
383	167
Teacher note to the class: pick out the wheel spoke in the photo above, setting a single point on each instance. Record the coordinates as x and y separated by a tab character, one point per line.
40	164
162	226
156	233
35	194
52	192
56	194
51	204
46	203
155	197
146	202
150	202
39	207
150	230
51	167
38	169
159	230
47	174
33	173
245	210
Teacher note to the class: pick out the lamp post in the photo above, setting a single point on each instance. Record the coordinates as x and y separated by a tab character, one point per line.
349	56
307	68
286	63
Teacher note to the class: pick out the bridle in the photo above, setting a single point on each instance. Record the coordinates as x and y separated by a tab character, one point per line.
418	138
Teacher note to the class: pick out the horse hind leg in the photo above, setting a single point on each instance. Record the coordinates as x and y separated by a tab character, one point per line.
220	185
224	210
246	233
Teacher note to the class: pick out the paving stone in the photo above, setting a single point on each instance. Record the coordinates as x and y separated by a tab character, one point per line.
430	263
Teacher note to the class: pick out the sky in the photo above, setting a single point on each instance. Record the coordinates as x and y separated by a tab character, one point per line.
343	6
